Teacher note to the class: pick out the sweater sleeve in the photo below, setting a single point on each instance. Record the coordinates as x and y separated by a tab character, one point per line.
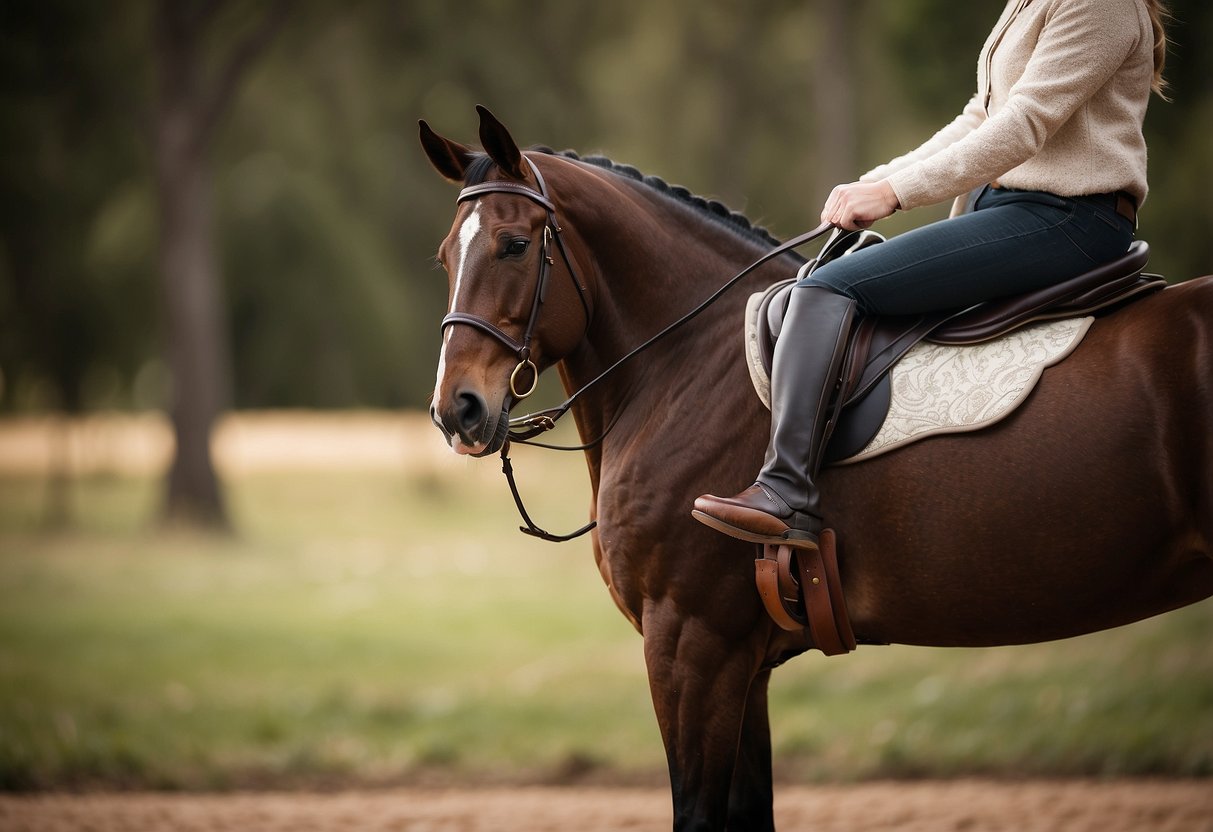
1082	44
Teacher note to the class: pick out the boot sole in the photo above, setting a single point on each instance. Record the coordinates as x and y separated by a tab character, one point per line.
792	537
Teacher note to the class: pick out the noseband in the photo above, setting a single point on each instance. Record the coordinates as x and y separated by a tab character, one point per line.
551	231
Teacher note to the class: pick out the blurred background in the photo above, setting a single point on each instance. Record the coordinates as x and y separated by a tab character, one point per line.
219	313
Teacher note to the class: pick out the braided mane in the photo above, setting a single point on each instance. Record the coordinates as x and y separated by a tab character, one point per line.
715	210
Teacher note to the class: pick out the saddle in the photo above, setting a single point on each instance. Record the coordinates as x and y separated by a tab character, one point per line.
878	343
803	589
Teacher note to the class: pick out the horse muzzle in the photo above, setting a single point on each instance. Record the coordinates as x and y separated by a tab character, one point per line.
470	426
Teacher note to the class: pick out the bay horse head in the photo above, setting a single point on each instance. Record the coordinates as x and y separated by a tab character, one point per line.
509	316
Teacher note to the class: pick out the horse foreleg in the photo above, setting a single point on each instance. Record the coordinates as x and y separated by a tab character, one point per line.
699	681
751	800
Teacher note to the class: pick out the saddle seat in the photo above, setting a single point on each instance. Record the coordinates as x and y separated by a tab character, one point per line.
1108	285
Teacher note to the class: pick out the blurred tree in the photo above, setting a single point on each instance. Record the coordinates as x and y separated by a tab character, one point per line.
69	84
834	88
188	106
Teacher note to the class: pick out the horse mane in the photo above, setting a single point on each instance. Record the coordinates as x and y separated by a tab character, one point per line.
713	209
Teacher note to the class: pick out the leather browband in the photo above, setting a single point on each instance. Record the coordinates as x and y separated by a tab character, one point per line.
473	191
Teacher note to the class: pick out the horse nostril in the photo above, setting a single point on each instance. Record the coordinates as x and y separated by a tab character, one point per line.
470	412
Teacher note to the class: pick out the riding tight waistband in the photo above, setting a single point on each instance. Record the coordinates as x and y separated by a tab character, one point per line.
1122	201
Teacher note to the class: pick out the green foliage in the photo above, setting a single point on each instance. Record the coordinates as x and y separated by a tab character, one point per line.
372	628
328	214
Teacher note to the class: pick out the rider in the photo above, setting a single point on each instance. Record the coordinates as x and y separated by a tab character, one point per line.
1053	141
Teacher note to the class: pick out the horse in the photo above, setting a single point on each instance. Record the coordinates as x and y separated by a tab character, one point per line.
1089	507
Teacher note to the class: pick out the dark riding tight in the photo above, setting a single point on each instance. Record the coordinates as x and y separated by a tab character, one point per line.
1013	242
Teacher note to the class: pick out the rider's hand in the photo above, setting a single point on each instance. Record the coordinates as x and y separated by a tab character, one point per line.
859	204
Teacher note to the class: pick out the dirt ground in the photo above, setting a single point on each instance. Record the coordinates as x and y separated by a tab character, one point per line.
935	806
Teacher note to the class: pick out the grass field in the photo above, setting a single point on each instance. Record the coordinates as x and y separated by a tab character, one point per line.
383	621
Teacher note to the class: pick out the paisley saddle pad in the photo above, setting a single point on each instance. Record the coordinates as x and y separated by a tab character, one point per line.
938	389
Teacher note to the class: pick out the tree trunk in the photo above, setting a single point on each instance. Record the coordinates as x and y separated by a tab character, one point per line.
834	108
192	295
189	105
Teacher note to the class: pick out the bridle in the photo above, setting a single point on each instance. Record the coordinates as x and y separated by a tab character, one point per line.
522	349
524	429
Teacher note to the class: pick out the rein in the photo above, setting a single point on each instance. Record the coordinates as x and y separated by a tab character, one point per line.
523	429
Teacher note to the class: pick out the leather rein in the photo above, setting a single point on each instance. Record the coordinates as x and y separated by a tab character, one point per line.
523	429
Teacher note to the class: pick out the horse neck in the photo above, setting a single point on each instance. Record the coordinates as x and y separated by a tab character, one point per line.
651	260
654	259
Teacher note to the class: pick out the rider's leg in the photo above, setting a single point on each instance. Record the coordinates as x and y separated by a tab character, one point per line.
783	505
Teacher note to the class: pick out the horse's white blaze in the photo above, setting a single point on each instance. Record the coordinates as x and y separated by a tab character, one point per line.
467	234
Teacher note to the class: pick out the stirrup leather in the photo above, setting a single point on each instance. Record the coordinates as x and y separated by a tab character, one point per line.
801	589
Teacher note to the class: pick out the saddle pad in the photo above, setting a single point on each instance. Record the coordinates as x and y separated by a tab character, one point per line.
939	389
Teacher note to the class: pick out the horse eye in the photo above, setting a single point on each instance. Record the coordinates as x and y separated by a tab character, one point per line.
516	247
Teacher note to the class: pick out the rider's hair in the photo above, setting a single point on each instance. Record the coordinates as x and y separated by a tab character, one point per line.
1158	16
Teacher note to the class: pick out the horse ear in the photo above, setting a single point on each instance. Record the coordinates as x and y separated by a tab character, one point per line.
499	144
449	158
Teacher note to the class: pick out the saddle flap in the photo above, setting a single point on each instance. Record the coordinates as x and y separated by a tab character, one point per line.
863	411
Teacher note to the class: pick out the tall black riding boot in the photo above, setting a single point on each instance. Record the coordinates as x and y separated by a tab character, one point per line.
784	505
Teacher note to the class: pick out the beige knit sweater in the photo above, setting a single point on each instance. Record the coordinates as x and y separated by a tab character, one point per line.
1062	89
